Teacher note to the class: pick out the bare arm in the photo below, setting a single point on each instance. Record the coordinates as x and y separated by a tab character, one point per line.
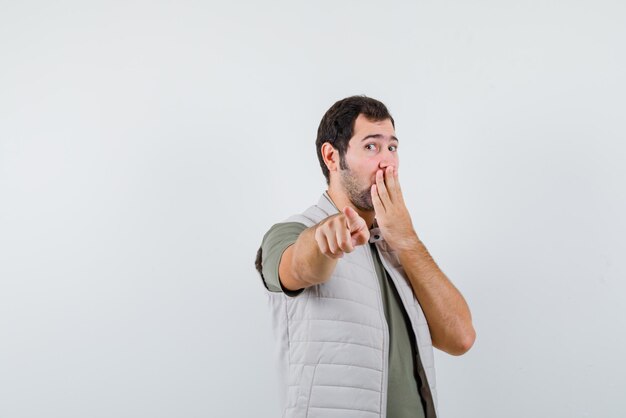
313	257
448	315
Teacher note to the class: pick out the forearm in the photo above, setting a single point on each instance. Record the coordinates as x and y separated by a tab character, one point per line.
303	263
448	315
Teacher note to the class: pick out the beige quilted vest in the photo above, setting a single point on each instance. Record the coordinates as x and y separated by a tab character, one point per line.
333	340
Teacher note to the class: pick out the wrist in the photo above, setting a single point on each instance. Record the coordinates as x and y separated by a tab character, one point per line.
409	243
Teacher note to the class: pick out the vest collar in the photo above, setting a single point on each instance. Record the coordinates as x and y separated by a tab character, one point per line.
327	204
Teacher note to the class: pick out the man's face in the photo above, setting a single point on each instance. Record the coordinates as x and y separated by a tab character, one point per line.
373	146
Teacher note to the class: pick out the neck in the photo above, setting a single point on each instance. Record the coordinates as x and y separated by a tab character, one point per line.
341	200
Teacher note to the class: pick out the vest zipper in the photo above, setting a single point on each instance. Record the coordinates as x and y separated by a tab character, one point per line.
385	360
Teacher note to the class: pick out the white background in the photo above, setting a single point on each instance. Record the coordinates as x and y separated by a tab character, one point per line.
146	147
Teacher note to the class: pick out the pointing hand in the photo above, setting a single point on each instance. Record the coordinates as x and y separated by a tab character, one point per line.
341	233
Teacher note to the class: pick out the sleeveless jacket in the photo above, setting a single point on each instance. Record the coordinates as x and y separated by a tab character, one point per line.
333	340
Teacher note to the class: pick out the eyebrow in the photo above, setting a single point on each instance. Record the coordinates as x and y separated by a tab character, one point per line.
379	136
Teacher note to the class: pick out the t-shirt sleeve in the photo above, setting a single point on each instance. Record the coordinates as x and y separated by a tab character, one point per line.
275	242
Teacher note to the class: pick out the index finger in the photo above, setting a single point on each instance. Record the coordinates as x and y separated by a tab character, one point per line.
379	208
355	222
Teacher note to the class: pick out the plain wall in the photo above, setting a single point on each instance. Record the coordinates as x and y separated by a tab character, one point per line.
146	147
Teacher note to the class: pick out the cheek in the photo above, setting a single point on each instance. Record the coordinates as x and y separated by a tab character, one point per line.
396	160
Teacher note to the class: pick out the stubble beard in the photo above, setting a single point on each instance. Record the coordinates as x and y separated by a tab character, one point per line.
360	197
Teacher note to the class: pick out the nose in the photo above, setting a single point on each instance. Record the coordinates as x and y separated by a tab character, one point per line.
387	159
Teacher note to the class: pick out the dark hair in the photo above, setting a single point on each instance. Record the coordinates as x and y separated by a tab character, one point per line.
337	125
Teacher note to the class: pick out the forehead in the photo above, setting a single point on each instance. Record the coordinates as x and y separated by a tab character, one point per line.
364	127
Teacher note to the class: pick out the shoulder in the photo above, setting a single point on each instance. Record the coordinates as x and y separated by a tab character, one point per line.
279	237
283	231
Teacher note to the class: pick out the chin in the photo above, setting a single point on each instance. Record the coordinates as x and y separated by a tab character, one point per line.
365	204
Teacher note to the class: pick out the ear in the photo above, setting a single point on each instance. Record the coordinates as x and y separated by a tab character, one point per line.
331	156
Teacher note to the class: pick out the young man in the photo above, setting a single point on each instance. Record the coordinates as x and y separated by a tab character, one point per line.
357	301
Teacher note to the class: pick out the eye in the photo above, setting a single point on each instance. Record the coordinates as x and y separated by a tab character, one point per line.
370	147
393	148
